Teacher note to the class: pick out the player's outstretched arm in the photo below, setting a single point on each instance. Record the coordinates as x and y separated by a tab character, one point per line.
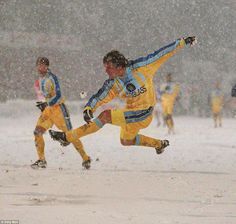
153	61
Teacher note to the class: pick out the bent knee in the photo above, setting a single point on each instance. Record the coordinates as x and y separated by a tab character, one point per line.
127	142
39	131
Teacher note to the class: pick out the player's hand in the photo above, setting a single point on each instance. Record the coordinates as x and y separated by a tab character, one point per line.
88	114
41	105
190	40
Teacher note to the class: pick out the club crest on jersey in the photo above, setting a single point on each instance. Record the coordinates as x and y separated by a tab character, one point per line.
130	87
131	90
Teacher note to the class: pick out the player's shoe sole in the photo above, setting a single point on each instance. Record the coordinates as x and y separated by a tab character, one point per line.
164	144
59	136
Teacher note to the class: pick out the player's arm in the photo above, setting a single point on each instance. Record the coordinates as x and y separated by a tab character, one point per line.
152	62
40	104
103	96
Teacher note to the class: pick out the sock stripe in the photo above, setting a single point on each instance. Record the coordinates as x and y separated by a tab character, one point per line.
137	140
98	123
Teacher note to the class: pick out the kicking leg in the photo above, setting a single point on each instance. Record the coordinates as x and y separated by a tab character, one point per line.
97	124
86	129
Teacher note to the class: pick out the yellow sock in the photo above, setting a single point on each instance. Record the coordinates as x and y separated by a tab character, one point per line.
39	143
143	140
84	130
80	149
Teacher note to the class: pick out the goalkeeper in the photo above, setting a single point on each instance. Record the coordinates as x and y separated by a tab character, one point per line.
54	112
131	81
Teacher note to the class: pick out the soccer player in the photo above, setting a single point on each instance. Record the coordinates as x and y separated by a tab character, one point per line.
54	112
169	93
131	81
217	101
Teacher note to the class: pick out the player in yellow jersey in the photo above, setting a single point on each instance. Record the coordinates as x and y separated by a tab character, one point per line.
217	102
54	112
169	93
131	81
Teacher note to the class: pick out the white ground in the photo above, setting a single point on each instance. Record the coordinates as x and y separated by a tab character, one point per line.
194	181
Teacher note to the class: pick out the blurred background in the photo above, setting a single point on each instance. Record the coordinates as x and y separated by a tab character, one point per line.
76	34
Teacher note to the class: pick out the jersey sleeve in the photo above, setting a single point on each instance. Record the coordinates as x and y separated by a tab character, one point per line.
151	63
38	92
104	95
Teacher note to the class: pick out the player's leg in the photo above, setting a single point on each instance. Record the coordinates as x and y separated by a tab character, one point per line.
220	119
218	110
43	124
131	122
142	118
171	129
164	113
218	116
86	129
168	111
74	135
215	113
215	119
129	136
158	114
61	119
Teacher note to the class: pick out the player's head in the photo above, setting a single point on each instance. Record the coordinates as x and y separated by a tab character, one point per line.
42	64
116	58
115	63
42	60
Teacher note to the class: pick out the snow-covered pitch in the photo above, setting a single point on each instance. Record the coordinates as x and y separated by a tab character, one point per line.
194	181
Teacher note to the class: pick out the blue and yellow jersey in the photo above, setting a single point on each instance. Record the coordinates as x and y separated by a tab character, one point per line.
169	92
217	98
136	86
50	87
